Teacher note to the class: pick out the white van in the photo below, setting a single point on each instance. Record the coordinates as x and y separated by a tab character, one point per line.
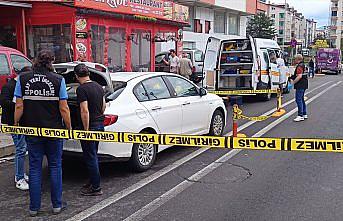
243	64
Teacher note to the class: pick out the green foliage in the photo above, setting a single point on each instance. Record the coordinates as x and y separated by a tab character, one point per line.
261	26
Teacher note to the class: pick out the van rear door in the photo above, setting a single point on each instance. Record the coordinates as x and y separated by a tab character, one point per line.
256	63
211	62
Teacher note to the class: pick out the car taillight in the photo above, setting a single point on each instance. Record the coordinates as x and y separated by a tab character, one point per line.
110	119
193	69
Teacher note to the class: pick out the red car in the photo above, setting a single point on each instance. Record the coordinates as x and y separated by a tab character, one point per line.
11	62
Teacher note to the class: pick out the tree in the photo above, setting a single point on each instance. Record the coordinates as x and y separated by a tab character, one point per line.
261	26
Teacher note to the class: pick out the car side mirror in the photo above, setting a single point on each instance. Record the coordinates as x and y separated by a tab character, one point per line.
202	92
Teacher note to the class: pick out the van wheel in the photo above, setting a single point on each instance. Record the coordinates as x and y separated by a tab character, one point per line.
143	156
217	124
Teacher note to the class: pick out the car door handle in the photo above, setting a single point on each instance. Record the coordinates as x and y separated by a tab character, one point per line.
156	108
186	103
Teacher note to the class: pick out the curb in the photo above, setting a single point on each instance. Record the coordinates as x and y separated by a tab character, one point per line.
7	151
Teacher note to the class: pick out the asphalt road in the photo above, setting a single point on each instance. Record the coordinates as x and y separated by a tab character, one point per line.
213	184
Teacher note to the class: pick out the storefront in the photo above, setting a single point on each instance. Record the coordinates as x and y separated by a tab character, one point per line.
122	34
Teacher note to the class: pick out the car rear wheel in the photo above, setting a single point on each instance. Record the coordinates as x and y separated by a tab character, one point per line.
217	124
143	156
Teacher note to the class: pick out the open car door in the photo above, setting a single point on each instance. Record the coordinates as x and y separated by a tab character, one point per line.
211	62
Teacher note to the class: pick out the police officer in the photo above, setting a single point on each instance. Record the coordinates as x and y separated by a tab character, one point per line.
300	82
41	101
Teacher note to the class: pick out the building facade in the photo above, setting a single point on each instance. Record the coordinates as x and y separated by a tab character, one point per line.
217	18
291	24
336	27
122	35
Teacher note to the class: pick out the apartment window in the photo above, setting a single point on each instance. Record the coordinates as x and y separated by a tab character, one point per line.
281	23
273	8
197	26
273	15
282	15
207	27
334	13
281	32
233	25
219	22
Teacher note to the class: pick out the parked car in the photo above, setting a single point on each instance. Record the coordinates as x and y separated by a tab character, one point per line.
141	102
195	55
11	63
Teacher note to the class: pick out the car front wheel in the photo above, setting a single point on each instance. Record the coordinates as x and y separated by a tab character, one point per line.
143	156
217	124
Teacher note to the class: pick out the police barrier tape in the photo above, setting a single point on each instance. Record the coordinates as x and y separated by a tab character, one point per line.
241	92
277	144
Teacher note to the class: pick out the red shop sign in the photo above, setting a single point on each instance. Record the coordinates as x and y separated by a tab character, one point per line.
151	8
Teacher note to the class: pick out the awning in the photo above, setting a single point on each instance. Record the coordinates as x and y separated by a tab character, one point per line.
15	4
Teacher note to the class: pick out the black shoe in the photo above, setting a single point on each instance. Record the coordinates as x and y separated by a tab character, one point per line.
86	187
91	192
58	210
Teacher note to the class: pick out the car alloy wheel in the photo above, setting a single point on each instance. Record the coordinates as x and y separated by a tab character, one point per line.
217	124
143	156
145	153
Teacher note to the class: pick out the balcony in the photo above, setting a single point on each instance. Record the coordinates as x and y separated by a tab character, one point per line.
334	8
334	18
334	1
333	27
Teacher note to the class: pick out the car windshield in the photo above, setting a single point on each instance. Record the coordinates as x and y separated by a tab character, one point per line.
118	88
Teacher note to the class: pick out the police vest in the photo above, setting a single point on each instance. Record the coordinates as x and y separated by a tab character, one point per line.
303	82
40	93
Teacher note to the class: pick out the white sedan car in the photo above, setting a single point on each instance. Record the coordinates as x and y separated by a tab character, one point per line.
160	103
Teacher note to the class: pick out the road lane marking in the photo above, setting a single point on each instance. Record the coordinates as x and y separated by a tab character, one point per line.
161	200
117	196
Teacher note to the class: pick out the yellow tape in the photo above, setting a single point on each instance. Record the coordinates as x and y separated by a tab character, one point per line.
241	92
238	114
276	144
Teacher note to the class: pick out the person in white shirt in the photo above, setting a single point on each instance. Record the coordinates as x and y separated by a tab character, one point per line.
174	62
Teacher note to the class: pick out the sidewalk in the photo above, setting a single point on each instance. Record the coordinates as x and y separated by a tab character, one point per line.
6	145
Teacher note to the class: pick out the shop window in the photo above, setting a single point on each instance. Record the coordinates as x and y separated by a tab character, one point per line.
56	38
8	36
4	67
140	50
219	22
207	27
116	49
197	26
233	25
98	43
